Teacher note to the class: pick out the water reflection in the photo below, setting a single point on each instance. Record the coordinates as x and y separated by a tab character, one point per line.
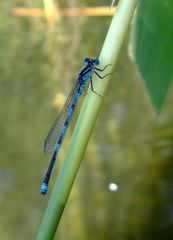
129	147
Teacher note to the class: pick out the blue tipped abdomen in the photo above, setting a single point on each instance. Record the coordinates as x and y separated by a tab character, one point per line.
44	188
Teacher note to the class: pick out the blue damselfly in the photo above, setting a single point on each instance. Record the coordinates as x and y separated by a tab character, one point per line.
57	133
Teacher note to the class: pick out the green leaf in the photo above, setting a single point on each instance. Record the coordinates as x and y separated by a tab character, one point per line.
152	42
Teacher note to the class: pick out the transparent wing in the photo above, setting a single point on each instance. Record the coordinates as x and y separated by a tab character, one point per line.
55	131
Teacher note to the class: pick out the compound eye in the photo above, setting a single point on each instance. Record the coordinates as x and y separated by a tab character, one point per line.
86	60
96	62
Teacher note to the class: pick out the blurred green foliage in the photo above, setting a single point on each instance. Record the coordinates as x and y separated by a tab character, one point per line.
152	44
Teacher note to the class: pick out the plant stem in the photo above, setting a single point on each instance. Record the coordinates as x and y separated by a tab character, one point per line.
86	121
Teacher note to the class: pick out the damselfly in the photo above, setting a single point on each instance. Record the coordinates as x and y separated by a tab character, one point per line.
57	133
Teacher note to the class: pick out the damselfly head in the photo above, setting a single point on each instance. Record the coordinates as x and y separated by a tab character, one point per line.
93	61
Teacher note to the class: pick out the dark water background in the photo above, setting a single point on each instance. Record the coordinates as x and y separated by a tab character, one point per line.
131	146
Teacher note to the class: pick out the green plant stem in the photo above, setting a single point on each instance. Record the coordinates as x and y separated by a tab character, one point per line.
86	121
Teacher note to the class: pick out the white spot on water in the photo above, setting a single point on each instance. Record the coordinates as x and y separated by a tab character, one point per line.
112	187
